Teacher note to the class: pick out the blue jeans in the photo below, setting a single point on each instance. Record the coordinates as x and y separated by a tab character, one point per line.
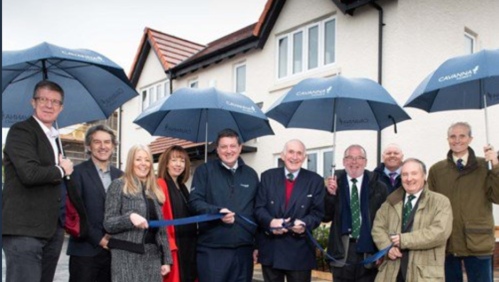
478	269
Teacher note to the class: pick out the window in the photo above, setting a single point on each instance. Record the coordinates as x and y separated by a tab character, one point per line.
307	48
240	78
193	83
319	161
153	93
469	43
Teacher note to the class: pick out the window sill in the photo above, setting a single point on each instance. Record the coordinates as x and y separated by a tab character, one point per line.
288	82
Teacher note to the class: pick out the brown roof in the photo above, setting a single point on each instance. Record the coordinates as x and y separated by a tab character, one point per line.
159	145
228	40
171	50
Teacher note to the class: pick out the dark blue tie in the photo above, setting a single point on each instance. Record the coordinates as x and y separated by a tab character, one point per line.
460	165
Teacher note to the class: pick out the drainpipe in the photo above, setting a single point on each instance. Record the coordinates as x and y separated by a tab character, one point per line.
118	152
380	66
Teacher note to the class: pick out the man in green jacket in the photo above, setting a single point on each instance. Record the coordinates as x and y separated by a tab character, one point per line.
418	223
471	188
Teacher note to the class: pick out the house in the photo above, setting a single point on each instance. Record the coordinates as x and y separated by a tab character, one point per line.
395	42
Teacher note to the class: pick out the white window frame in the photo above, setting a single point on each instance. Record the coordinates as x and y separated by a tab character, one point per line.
192	82
236	67
151	91
473	41
305	52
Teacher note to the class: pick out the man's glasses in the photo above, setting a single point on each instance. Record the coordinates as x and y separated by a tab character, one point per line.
44	101
350	158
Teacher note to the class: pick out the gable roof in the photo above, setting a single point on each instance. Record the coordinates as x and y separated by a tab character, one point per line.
171	50
251	37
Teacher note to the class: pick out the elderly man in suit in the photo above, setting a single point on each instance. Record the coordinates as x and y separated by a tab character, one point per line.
289	201
417	222
33	197
354	196
90	259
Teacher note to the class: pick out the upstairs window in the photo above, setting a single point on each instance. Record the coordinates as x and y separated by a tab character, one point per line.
153	93
240	78
307	48
469	43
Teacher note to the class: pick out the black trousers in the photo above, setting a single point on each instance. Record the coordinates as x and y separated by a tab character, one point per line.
225	264
277	275
30	258
354	272
90	269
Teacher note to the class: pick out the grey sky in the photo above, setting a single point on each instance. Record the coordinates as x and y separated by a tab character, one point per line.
114	27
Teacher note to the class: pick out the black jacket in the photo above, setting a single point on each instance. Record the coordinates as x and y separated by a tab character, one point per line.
306	204
377	196
380	174
31	197
215	187
89	186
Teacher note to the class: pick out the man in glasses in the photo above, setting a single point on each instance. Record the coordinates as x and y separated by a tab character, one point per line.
32	199
353	198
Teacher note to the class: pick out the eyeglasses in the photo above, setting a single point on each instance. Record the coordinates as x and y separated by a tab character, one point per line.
350	158
44	101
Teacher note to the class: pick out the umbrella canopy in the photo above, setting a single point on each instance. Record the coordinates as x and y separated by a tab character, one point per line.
336	104
198	115
465	82
94	86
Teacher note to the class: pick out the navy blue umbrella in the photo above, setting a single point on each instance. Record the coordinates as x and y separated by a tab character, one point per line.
198	115
94	86
336	104
465	82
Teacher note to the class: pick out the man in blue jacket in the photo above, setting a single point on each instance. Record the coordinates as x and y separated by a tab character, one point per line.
225	185
290	196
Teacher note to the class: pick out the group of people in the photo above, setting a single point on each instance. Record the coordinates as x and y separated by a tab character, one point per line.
430	226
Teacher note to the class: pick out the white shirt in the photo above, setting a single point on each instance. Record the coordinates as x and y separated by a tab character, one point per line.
359	187
415	200
286	172
236	165
52	135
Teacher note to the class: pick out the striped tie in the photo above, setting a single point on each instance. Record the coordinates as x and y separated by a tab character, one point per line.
355	207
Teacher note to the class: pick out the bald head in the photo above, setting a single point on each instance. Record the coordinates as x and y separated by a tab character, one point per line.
392	157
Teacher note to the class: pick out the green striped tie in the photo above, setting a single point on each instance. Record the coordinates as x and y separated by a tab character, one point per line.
355	207
407	210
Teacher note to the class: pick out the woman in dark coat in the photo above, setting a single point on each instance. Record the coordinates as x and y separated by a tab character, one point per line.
138	253
173	173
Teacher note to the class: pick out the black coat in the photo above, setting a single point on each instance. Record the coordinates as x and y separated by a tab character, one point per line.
288	251
377	196
380	174
89	185
31	197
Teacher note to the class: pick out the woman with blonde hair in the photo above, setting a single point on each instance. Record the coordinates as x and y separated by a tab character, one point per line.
138	253
173	172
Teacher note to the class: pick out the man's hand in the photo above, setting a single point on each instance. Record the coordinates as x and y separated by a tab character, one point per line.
255	256
394	253
139	221
490	154
104	241
298	226
277	225
66	164
395	240
332	185
229	218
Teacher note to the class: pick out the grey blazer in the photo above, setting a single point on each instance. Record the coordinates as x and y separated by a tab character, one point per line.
117	222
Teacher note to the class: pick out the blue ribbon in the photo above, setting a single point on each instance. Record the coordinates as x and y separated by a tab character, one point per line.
186	220
210	217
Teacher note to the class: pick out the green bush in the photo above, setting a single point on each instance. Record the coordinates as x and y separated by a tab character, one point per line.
321	234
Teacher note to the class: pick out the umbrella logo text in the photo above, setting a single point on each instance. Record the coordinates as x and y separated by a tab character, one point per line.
314	93
241	107
83	56
13	118
460	75
353	121
493	96
177	130
109	101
